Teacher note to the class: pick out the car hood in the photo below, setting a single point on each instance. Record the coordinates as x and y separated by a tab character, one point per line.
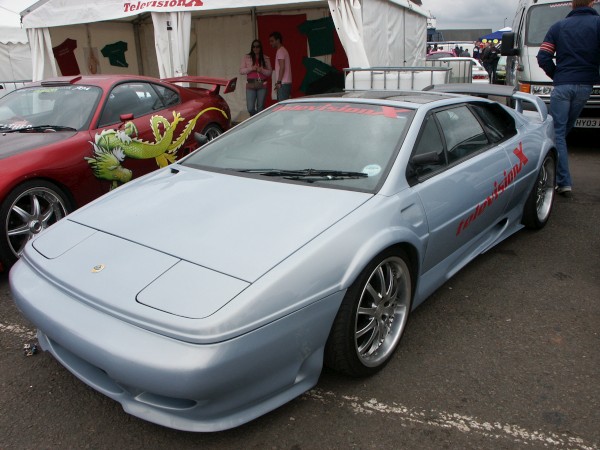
234	225
15	142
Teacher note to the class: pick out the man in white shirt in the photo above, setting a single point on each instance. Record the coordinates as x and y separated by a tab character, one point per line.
283	68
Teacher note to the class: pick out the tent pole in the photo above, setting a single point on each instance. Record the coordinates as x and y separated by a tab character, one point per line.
137	29
404	35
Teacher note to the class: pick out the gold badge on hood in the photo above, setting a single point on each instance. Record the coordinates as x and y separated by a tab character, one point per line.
98	268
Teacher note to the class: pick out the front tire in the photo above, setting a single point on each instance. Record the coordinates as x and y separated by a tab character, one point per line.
541	198
372	317
27	211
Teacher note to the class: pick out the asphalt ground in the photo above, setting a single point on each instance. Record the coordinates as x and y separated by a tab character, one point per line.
505	355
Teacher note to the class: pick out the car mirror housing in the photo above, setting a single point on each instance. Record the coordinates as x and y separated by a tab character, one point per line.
425	158
508	45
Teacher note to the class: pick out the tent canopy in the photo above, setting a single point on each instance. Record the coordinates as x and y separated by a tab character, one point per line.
386	22
53	13
15	56
496	35
10	28
372	32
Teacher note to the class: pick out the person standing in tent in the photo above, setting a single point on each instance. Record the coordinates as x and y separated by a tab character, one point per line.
283	68
257	67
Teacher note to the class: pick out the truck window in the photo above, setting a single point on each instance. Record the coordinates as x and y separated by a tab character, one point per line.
541	17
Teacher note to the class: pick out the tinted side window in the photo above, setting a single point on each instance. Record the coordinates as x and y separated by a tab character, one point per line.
168	97
498	123
462	131
128	98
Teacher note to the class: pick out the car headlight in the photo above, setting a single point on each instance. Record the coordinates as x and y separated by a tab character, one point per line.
541	89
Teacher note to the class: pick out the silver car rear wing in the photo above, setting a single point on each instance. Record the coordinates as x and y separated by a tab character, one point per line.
520	101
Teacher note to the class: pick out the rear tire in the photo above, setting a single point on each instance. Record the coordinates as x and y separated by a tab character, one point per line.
212	131
27	211
541	198
372	317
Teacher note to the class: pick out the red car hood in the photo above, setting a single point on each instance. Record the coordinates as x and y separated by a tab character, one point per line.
15	142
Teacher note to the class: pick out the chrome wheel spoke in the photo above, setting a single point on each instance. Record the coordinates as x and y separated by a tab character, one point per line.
35	206
22	213
367	311
47	215
376	296
368	347
369	327
391	283
19	231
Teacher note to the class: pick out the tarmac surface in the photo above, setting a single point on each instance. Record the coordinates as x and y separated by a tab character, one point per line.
505	355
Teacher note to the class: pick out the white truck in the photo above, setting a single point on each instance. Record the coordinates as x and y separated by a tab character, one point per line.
531	23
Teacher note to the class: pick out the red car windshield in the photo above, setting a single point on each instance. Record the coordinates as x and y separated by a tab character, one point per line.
60	106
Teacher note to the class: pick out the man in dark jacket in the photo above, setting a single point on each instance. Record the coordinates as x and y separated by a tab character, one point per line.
489	59
575	41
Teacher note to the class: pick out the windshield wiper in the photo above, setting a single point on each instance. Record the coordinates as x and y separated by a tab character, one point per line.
37	128
308	175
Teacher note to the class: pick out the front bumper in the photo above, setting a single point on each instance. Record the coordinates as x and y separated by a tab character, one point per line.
177	384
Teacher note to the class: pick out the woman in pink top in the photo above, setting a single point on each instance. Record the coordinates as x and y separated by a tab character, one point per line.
257	67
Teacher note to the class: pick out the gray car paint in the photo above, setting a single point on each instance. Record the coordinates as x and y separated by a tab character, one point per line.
265	345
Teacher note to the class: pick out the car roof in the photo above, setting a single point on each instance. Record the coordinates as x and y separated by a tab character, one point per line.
416	97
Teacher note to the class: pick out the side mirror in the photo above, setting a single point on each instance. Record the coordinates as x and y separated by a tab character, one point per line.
126	117
425	159
508	45
200	139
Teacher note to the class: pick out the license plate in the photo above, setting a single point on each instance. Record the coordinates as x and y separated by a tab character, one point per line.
585	122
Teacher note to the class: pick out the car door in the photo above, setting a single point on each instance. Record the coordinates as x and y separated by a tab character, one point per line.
140	141
458	189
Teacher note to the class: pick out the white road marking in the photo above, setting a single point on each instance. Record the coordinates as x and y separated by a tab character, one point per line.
23	333
440	419
458	422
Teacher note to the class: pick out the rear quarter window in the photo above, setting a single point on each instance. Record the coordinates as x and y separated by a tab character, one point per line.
497	122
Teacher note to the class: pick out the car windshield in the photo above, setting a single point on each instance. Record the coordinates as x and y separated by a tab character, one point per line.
48	107
542	17
334	144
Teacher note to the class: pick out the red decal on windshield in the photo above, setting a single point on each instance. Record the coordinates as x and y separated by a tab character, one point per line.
386	111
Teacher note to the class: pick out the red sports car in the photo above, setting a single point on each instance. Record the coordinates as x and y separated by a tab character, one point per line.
66	141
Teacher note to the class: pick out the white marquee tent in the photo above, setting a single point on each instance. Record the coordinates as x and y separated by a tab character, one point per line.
15	56
173	37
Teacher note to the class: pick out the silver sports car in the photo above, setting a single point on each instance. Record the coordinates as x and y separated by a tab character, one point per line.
214	290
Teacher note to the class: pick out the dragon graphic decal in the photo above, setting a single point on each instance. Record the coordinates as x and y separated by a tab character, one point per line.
111	147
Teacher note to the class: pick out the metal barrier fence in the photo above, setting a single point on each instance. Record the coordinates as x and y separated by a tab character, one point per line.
462	68
395	78
9	86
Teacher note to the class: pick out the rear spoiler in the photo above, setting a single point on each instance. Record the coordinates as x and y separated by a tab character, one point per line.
215	82
486	90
